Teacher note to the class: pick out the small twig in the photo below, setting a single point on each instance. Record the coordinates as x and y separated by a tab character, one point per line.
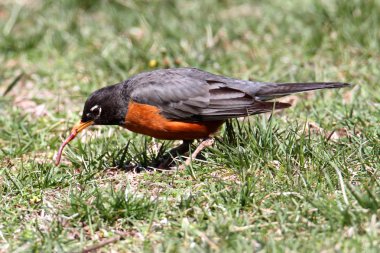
101	244
13	83
330	135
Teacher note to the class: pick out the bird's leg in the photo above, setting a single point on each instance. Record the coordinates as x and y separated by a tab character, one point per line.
208	142
174	152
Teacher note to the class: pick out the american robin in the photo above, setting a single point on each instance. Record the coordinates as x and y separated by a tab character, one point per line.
182	103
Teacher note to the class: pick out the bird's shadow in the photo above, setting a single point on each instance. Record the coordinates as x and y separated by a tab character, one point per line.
140	162
165	159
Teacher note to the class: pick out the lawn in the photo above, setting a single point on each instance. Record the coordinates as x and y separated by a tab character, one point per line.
304	179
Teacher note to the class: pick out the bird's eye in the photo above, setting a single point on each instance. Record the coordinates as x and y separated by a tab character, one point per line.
95	111
94	108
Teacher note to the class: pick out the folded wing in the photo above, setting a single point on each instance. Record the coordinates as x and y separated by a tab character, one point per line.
195	98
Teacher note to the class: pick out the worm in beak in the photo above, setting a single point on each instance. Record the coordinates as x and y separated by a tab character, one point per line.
76	129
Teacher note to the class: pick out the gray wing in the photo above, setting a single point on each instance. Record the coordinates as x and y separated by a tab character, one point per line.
194	95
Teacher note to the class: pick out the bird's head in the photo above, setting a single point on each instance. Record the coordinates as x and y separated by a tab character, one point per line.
106	106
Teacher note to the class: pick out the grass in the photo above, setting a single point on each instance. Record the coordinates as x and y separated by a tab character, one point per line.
277	184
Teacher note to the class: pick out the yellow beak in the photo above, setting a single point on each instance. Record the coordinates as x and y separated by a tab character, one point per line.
76	129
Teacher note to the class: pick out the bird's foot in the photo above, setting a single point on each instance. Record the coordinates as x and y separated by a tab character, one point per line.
168	159
204	144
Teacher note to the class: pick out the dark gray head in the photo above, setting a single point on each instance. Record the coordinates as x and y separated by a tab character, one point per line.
106	106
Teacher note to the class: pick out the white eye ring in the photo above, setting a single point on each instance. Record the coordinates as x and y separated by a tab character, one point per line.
96	107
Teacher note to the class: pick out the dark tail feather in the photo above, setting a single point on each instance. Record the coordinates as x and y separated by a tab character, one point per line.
256	108
275	90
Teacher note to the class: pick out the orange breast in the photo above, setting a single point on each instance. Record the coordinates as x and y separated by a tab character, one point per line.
146	119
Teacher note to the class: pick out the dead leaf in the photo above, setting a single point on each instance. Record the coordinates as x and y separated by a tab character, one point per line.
30	107
349	95
314	128
292	99
334	135
337	134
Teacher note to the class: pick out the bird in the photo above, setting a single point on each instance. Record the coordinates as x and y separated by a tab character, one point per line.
183	104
